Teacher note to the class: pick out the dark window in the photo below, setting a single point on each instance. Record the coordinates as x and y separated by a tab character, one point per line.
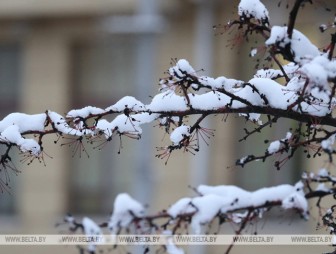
102	74
10	59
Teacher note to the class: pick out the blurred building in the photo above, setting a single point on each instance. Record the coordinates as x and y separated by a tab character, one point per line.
61	55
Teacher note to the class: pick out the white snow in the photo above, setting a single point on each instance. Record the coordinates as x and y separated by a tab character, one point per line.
181	206
124	210
248	94
226	198
253	52
322	187
25	122
264	92
128	102
253	9
12	135
209	101
297	201
181	68
29	145
223	190
323	172
275	146
62	126
328	143
167	101
85	112
91	229
220	82
272	194
125	124
207	208
301	46
316	73
290	70
268	73
273	91
179	133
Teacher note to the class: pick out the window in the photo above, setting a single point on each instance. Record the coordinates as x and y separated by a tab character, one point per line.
10	55
102	74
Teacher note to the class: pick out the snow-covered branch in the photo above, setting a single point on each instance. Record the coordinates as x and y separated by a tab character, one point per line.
224	206
301	88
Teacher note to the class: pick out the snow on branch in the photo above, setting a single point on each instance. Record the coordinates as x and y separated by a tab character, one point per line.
307	97
299	84
225	205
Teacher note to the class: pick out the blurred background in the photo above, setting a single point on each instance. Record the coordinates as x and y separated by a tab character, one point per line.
60	55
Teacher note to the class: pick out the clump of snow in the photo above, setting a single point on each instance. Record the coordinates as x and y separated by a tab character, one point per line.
316	73
179	133
318	105
60	124
253	9
273	91
182	206
127	102
323	172
181	68
322	187
106	127
220	82
328	144
143	118
271	194
274	147
226	198
12	135
238	196
181	71
29	145
253	52
91	229
125	124
223	190
25	122
207	208
167	101
252	117
85	112
209	101
125	208
297	201
301	47
290	69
